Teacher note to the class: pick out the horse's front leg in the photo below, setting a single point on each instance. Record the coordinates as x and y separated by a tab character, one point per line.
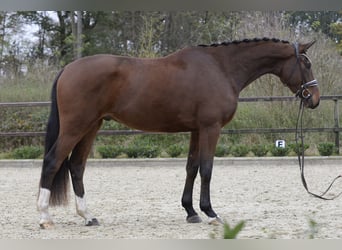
191	173
207	141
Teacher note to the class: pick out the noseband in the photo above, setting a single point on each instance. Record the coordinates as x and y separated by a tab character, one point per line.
303	92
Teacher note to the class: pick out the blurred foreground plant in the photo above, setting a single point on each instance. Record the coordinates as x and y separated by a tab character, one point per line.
230	232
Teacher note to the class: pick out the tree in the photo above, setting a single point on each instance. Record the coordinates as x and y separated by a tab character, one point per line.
63	36
10	49
45	25
2	33
76	29
336	29
314	21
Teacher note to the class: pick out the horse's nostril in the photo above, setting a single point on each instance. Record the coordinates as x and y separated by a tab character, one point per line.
315	105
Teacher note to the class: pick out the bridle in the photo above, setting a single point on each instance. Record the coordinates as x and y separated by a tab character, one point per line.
304	93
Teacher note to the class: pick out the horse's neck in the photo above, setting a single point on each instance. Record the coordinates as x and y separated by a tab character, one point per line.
251	62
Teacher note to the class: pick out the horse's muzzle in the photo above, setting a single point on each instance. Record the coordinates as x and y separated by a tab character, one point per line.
310	104
305	93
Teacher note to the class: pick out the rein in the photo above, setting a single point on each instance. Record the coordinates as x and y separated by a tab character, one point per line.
300	153
305	94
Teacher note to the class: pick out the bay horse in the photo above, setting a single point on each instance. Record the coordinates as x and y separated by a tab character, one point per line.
194	90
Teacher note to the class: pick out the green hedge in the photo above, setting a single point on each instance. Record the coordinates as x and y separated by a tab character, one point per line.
142	151
27	152
326	149
108	151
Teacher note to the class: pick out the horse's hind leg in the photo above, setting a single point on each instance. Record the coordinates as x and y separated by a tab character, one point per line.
77	166
54	178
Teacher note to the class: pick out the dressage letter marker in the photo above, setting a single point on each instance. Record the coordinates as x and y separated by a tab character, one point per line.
280	143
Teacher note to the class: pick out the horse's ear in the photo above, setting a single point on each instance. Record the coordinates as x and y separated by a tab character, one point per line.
304	47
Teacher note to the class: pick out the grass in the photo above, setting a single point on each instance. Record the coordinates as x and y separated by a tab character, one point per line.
34	86
24	92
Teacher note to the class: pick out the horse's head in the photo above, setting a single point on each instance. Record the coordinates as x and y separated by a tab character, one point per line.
297	75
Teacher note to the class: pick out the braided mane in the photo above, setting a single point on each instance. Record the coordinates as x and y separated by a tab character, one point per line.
264	39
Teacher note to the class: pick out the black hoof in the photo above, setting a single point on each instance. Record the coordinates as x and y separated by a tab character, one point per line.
93	222
194	219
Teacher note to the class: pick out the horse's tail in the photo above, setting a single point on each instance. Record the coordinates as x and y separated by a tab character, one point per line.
60	184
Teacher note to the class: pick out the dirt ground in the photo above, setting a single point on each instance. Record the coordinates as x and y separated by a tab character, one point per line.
141	199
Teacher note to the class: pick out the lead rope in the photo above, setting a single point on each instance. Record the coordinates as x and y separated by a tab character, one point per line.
300	153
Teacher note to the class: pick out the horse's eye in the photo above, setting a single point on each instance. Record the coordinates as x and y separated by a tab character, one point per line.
306	62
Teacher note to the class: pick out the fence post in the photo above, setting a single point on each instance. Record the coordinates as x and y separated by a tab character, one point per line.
337	125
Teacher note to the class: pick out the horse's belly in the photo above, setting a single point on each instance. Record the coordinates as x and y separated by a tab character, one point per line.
161	123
